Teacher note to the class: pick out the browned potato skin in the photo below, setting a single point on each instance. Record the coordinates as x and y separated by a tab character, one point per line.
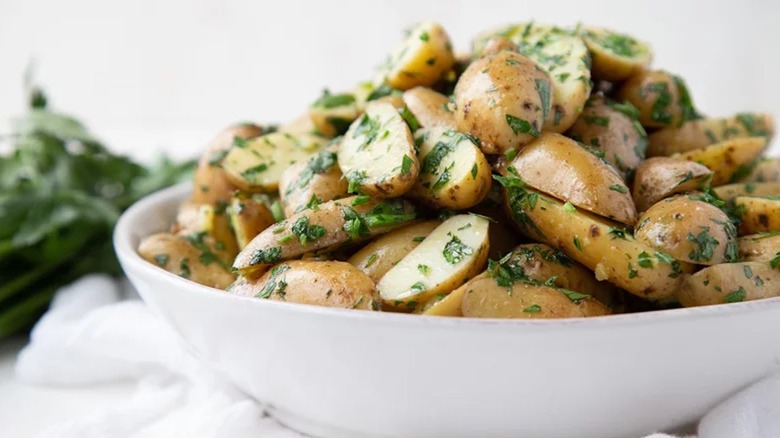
766	170
729	282
484	298
759	247
731	191
497	44
211	185
760	214
726	158
636	91
326	186
248	217
493	88
318	283
557	165
431	108
181	256
667	225
660	177
622	141
390	248
698	134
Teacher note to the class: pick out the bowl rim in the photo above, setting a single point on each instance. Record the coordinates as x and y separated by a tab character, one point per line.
129	257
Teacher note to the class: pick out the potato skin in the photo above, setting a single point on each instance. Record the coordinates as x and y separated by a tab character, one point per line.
497	100
319	177
698	134
766	170
726	159
484	298
421	59
660	177
376	258
759	247
430	107
248	217
610	65
730	283
759	215
179	256
730	191
319	283
689	230
658	97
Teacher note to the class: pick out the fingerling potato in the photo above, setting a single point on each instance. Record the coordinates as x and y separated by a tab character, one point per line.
248	217
332	114
698	134
730	283
758	215
731	191
421	59
661	98
762	247
660	177
311	182
766	170
431	108
727	159
615	56
194	257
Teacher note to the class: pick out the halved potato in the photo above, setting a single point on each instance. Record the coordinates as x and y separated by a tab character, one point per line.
731	191
503	100
257	164
332	114
697	134
301	125
557	165
216	223
421	59
379	256
758	215
450	304
330	225
612	129
660	177
727	159
502	234
689	230
455	251
766	170
431	108
309	183
762	247
319	283
194	257
730	283
377	154
454	173
497	44
661	98
248	217
616	56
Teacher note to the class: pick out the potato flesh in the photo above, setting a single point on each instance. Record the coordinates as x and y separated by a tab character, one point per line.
248	217
313	181
725	159
615	56
730	283
660	177
331	116
698	134
430	108
423	57
454	251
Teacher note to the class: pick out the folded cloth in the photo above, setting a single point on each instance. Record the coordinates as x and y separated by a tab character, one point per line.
93	333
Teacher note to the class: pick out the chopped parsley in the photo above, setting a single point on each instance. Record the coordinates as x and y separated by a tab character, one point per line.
705	246
161	259
575	297
543	88
184	268
775	262
328	100
406	165
644	260
455	250
271	284
370	260
597	120
736	296
569	208
268	256
424	269
532	309
306	232
409	118
617	233
521	126
577	243
618	188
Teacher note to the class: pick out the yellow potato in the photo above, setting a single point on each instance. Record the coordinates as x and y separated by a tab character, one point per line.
301	125
431	108
689	230
450	304
731	191
766	170
698	134
660	177
327	284
193	257
423	57
730	283
661	98
758	215
309	183
560	167
332	114
763	247
615	56
497	44
248	217
727	159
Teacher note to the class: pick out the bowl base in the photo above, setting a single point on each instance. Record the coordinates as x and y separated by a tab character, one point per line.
314	428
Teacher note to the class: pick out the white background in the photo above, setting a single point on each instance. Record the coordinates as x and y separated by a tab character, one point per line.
150	74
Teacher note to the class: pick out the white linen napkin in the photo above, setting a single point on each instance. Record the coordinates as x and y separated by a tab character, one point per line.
97	331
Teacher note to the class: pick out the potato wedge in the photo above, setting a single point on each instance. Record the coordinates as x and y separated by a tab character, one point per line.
327	284
485	298
421	59
330	225
731	191
195	257
256	165
727	159
766	170
557	165
698	134
602	246
377	154
503	100
216	223
689	230
248	217
661	98
301	125
454	172
616	56
762	247
379	256
502	234
612	129
332	114
455	251
309	183
431	108
562	55
660	177
730	283
759	215
450	304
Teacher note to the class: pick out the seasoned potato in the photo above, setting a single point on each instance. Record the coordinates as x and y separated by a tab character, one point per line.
615	56
379	256
730	283
562	55
766	170
301	125
612	129
559	166
698	134
497	44
690	230
328	284
430	108
764	247
248	217
758	215
661	98
485	298
731	191
377	154
501	233
194	257
257	164
503	100
332	114
454	173
421	59
602	246
330	225
216	223
660	177
455	251
309	183
211	185
727	159
450	304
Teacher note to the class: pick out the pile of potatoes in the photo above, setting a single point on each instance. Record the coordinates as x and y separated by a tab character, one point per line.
547	173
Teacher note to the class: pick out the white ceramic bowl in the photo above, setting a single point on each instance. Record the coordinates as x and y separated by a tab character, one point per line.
341	373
